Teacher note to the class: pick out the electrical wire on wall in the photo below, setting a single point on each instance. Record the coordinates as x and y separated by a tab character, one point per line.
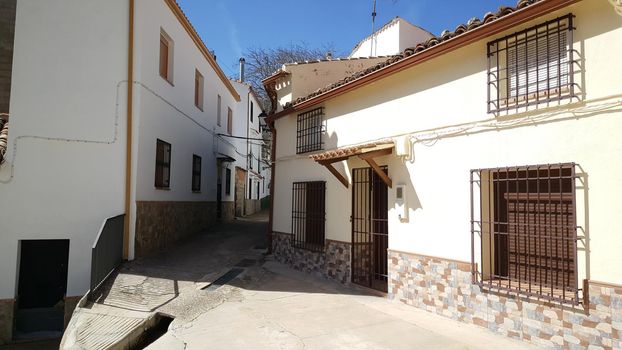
430	137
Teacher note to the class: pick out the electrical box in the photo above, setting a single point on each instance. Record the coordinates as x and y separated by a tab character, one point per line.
402	146
400	202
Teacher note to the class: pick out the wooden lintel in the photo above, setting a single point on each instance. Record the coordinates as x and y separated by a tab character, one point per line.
333	160
385	178
337	174
378	153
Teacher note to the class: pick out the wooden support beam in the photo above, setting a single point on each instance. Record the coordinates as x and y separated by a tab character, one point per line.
385	178
337	174
378	153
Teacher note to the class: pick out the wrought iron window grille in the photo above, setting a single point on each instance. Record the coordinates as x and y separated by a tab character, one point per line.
523	226
309	131
532	66
309	215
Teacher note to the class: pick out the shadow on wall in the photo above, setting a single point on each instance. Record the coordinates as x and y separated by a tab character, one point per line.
399	169
583	231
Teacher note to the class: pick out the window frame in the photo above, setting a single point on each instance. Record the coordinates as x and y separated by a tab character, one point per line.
227	181
310	130
199	84
519	214
252	107
163	166
511	61
166	71
219	111
196	173
309	228
229	121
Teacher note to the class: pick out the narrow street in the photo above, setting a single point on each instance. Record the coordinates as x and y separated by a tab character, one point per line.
223	293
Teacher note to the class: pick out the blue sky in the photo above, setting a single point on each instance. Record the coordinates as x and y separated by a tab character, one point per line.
231	26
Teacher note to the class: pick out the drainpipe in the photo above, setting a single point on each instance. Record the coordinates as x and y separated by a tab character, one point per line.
248	160
128	157
272	177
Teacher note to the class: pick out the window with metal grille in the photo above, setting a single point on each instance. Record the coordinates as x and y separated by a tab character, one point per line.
309	131
163	164
532	66
526	230
308	214
196	173
228	182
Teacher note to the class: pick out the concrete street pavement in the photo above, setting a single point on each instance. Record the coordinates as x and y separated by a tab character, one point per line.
266	306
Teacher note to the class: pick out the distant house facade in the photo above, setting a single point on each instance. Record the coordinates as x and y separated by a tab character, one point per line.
246	174
392	38
473	175
94	164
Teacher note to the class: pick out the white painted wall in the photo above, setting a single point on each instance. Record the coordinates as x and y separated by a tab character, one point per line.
392	38
69	82
439	93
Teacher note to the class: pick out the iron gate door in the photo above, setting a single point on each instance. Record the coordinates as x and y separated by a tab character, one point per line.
370	231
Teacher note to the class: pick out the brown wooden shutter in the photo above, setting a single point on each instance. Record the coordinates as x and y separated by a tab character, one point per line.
540	238
163	57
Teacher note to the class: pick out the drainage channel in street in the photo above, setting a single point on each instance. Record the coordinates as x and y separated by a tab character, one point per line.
159	328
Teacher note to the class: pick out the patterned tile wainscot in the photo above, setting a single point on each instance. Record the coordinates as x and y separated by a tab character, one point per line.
444	286
332	263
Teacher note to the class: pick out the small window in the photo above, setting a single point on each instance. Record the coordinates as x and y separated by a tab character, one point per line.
252	111
196	173
309	131
166	57
198	90
257	189
527	230
308	214
218	111
250	189
229	121
228	182
532	66
163	164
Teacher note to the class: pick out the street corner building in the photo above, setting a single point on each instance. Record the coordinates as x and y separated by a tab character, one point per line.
474	174
119	135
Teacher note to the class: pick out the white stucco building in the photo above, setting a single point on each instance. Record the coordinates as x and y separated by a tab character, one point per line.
390	39
474	175
115	123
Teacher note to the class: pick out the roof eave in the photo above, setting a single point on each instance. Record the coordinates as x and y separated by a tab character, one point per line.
520	16
185	22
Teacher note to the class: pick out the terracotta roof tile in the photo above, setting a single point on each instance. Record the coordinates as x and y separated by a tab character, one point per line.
472	24
352	150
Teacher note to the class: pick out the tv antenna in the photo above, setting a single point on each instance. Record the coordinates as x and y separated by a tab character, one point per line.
373	30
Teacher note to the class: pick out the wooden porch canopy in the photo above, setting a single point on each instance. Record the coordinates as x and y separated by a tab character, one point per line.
366	152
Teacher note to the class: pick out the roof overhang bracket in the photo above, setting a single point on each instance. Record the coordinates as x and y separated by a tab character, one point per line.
369	159
329	165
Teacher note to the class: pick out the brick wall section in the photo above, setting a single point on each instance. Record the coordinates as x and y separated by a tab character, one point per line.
332	263
444	287
159	224
7	32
